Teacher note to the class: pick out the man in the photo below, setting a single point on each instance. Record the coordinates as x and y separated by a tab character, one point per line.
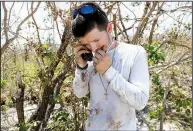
117	76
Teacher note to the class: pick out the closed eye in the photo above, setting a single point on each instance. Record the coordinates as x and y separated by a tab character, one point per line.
95	40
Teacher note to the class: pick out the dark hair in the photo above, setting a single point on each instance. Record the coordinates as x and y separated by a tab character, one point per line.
83	24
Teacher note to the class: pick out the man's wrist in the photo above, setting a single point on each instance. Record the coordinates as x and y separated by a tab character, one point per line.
105	71
110	73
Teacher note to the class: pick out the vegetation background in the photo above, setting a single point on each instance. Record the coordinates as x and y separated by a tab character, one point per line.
37	63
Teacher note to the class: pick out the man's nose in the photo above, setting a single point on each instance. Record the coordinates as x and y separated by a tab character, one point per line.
94	47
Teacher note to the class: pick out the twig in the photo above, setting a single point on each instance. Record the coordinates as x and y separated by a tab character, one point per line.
148	16
145	121
164	105
143	24
175	19
174	63
182	7
6	44
129	10
121	31
115	25
5	21
110	8
154	23
157	66
35	24
123	24
39	57
58	30
20	98
18	35
10	13
140	25
21	7
127	28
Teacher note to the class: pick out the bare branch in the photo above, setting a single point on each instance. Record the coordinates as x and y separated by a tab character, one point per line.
115	25
140	25
175	19
110	8
60	75
21	7
146	122
148	16
182	7
121	31
10	12
20	98
14	22
38	34
174	63
5	21
128	28
66	37
58	30
184	46
129	10
6	44
164	106
123	24
165	65
60	14
143	24
39	57
154	23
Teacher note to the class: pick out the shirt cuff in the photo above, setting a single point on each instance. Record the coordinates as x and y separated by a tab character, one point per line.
79	71
83	74
110	74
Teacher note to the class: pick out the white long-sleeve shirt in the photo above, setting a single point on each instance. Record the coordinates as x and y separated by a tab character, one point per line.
127	84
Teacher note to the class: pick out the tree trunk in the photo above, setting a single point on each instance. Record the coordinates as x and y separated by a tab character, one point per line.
46	104
51	104
20	98
164	106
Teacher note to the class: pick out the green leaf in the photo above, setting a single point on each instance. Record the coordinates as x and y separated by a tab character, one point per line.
3	82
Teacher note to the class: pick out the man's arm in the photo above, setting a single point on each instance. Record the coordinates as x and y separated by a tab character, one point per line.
80	83
136	91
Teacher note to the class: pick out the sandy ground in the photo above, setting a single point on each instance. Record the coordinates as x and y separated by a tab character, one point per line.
9	119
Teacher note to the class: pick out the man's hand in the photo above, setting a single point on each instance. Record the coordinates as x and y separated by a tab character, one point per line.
101	61
79	50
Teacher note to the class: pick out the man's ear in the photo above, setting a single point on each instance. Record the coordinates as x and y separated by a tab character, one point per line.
109	27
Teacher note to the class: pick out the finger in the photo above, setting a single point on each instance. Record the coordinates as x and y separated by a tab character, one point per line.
101	52
95	60
98	56
82	52
94	64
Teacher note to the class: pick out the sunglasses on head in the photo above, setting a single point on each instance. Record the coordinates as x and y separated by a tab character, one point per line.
84	10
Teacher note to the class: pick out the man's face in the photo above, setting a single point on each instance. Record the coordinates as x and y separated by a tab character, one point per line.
96	39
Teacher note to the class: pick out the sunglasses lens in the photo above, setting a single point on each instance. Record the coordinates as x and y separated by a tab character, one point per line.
74	14
87	9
